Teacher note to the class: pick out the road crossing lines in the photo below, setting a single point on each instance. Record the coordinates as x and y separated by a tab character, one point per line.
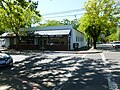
111	82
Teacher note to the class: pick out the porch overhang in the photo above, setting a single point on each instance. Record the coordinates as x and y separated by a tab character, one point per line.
52	32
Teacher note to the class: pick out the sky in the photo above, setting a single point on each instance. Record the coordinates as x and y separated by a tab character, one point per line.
52	6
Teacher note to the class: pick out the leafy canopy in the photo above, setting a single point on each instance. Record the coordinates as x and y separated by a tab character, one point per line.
59	23
100	16
16	14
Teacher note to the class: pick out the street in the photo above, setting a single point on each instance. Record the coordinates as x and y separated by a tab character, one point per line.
63	71
59	44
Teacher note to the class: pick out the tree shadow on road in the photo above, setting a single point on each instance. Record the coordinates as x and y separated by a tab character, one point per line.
52	72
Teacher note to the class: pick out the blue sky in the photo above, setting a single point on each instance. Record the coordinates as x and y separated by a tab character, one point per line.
52	6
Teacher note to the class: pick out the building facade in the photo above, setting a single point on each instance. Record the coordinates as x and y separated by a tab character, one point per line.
48	38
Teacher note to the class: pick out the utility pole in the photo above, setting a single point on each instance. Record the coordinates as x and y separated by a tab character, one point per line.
75	20
118	23
117	32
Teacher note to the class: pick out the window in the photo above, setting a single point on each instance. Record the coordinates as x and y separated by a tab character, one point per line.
76	38
62	43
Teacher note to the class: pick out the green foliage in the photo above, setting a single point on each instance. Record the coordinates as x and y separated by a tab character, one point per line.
111	37
15	14
53	23
59	23
72	22
100	17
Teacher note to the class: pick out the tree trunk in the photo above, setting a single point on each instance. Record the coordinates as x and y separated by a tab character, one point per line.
88	43
17	42
17	39
94	43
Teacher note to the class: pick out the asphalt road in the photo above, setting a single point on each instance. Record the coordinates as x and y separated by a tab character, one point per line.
63	71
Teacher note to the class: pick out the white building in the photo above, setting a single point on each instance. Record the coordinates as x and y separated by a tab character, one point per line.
49	38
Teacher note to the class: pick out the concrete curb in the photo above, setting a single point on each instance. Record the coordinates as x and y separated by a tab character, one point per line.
87	52
90	51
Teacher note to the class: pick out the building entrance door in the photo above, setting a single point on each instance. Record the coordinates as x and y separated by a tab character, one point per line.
42	43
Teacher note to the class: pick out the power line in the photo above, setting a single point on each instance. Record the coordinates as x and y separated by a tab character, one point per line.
63	12
64	15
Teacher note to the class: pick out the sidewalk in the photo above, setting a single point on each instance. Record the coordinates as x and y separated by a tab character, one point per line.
90	51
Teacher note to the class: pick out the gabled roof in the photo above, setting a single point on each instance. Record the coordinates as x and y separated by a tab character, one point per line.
4	34
48	30
7	34
67	27
51	30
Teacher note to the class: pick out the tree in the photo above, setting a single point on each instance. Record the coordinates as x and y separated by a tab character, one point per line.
2	28
74	23
59	23
16	14
52	23
99	17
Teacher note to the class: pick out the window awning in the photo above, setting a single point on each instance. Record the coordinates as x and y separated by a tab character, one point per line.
52	32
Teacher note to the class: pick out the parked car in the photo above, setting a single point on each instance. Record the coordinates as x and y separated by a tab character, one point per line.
5	60
116	44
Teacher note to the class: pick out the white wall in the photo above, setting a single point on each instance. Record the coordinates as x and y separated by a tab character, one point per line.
36	41
6	42
77	37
